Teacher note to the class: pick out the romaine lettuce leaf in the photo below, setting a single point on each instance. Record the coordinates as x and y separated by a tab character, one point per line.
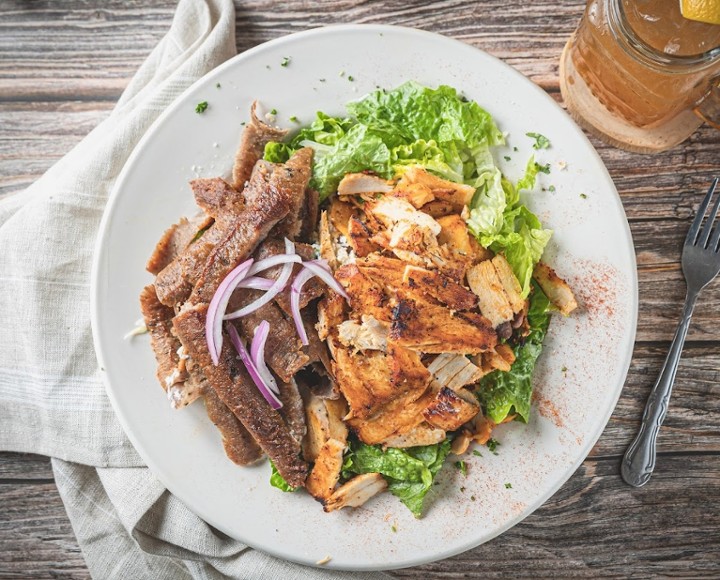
502	393
389	130
500	222
409	472
277	480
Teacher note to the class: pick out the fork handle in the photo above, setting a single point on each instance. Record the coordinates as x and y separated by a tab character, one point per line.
639	461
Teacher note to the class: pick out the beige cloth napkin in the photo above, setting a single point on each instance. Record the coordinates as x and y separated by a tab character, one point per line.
52	400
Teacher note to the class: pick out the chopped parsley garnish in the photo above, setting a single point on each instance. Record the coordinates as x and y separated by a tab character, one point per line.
492	446
322	80
551	188
462	466
583	195
543	168
477	453
273	112
351	78
294	119
515	149
472	498
507	158
201	107
508	486
541	142
564	369
217	85
285	61
393	528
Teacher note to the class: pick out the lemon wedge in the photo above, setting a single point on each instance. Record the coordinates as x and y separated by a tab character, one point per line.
701	10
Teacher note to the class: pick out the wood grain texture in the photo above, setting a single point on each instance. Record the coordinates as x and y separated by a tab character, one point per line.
64	64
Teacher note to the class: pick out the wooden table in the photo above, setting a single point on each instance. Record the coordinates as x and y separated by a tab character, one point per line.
64	64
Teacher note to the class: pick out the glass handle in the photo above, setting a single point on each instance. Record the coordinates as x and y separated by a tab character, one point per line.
709	108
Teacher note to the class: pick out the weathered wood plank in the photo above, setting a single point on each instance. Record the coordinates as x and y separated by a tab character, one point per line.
561	539
36	540
24	466
62	66
659	530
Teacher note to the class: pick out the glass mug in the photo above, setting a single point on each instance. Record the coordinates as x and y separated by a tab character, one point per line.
640	75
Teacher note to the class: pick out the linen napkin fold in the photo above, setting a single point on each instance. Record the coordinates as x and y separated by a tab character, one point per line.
52	400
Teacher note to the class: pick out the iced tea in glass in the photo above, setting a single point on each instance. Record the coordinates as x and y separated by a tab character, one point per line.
638	73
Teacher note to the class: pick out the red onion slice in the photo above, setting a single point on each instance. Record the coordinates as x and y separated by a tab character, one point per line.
264	389
257	354
295	292
321	269
218	304
289	258
256	283
267	263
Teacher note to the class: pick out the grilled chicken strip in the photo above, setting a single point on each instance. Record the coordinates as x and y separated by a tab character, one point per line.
235	388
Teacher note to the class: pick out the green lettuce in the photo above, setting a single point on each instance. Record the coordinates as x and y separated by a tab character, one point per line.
277	480
500	222
409	472
389	130
503	393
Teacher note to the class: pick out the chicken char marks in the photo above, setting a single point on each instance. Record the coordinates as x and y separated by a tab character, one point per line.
234	387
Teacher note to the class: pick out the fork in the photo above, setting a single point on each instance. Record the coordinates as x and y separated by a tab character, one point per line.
700	265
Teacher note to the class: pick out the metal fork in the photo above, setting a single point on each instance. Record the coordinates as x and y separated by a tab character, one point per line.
700	265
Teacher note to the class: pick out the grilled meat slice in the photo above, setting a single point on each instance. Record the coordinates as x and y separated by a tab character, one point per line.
372	381
174	241
457	194
293	410
370	334
438	286
454	371
255	136
239	445
430	328
557	290
360	183
388	272
313	288
171	371
356	492
423	434
366	296
485	283
300	167
175	282
217	197
309	215
358	235
325	473
264	209
235	388
509	282
450	410
283	350
400	416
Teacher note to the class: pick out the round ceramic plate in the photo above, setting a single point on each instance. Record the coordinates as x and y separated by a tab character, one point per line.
579	377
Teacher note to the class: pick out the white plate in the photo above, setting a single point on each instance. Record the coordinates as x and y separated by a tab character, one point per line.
578	380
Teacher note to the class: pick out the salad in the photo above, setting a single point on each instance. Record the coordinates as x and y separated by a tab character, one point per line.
360	301
391	134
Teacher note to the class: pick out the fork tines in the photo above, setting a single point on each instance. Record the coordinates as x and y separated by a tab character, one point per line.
700	236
